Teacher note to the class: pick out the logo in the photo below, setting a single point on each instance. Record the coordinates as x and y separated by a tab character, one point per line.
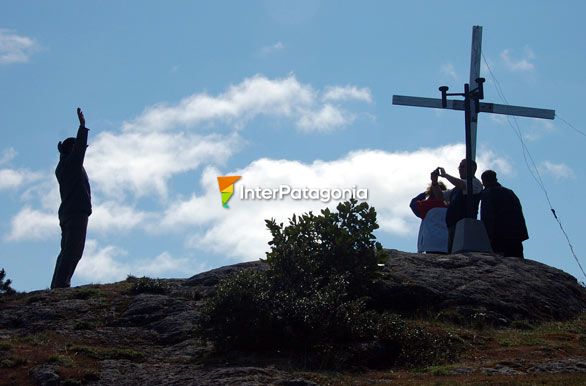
226	184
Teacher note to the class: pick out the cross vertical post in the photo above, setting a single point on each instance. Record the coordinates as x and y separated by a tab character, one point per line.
475	55
468	123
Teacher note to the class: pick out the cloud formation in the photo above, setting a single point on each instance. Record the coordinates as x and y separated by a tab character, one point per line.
347	93
14	178
107	264
32	224
276	47
514	64
256	96
15	48
114	217
557	170
143	163
7	156
392	178
11	179
449	70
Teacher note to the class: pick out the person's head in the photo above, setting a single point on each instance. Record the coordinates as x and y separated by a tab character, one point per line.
66	146
462	168
489	178
429	190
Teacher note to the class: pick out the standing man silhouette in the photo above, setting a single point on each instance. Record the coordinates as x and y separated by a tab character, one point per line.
76	206
502	215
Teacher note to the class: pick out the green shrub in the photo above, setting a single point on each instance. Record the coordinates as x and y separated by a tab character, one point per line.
12	362
5	288
311	249
61	360
315	295
147	285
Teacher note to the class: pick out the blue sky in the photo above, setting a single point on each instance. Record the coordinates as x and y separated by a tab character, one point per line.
279	92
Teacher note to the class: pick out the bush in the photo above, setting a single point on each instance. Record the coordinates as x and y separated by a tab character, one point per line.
5	288
314	297
312	249
142	285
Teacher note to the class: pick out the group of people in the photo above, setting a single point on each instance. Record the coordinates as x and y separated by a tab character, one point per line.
440	209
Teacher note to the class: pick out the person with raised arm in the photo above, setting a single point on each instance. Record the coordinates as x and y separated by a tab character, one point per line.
456	197
76	203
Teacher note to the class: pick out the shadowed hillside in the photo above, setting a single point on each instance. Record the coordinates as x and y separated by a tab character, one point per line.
515	321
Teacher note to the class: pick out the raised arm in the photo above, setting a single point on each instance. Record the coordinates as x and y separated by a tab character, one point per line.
435	189
80	117
78	152
457	182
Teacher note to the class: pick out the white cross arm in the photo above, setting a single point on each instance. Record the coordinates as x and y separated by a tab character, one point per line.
483	107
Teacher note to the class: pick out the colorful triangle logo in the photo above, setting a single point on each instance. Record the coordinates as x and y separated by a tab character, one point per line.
226	185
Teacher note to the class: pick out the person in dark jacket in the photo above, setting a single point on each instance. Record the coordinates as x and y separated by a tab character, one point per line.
502	215
76	206
456	197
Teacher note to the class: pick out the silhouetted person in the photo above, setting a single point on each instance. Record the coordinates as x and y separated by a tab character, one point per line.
502	215
456	198
430	207
76	205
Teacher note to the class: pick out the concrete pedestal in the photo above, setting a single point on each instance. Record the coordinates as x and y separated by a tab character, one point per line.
471	236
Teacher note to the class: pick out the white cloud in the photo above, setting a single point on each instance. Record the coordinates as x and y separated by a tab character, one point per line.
498	119
100	265
449	70
143	163
15	48
31	224
10	178
7	156
278	46
538	129
257	96
326	119
557	170
111	216
240	233
347	93
524	64
161	264
111	263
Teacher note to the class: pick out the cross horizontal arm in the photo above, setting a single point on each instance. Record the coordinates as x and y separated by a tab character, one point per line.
483	107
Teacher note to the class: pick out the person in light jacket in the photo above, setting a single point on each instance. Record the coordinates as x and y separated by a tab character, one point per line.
430	207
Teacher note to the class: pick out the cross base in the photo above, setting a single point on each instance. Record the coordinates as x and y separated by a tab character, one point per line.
471	236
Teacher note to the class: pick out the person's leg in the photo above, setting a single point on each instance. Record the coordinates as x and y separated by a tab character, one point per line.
514	248
498	247
57	281
451	233
73	234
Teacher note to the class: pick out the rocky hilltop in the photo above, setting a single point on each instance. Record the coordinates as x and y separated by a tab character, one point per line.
518	319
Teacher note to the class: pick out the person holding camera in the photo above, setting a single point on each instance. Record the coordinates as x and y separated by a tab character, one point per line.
456	197
430	207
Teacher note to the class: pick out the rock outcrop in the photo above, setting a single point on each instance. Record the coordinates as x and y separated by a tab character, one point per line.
479	286
109	334
472	287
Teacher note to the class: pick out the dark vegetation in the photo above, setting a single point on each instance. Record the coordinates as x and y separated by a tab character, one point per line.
5	288
315	299
142	285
